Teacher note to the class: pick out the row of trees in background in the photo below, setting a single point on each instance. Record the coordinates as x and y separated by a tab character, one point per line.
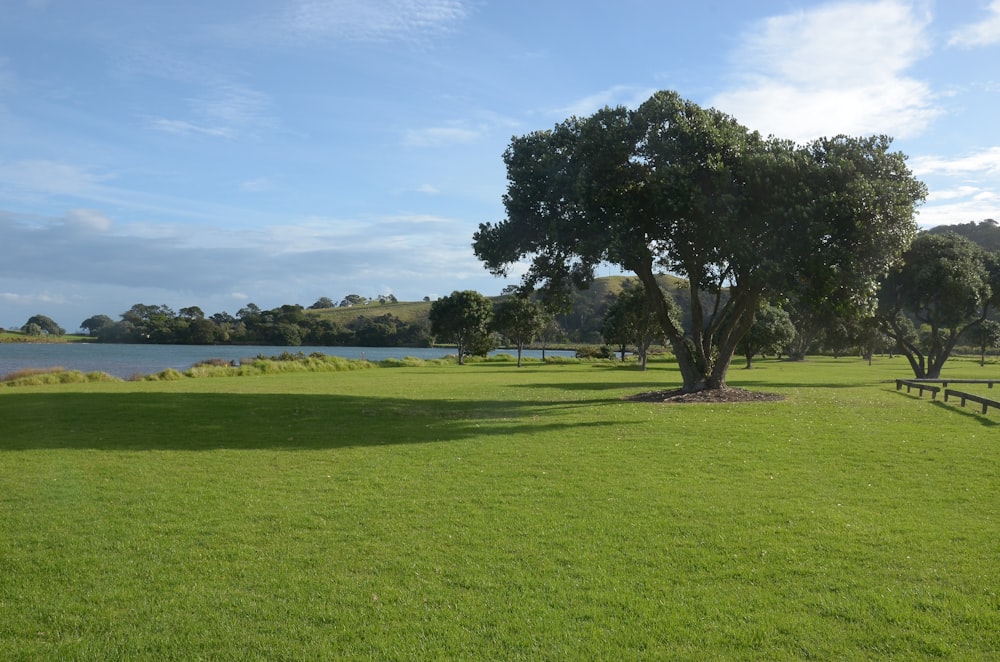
477	325
285	325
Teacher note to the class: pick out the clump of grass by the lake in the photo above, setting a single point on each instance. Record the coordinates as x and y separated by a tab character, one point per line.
414	362
53	375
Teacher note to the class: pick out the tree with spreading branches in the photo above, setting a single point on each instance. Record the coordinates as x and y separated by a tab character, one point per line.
671	187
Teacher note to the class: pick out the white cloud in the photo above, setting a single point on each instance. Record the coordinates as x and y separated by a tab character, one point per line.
87	220
986	162
836	69
954	193
978	207
618	95
984	33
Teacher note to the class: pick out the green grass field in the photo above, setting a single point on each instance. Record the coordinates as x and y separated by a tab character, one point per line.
487	512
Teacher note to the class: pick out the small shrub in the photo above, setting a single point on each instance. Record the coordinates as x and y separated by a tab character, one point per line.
168	375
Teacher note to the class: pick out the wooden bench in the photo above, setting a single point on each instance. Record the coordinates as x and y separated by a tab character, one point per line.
920	386
985	402
944	382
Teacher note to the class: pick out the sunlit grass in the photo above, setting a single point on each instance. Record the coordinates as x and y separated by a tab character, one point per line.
489	512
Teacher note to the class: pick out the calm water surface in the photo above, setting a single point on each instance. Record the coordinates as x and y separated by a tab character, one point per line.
128	360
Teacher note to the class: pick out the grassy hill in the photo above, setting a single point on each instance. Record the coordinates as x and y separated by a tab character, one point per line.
408	311
582	323
985	233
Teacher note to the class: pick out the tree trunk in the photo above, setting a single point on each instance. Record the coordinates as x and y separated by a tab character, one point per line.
699	369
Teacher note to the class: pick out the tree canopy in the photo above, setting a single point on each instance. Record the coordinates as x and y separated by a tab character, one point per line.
672	187
464	319
947	284
41	324
630	322
520	320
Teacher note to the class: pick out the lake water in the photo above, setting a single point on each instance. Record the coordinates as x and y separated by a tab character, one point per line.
127	360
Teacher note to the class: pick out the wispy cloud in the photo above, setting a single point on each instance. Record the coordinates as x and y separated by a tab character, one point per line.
373	20
618	95
986	161
441	135
839	68
185	128
977	207
983	33
48	177
257	185
224	111
297	22
87	220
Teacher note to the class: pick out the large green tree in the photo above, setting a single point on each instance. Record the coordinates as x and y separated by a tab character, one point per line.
520	320
43	324
631	322
672	187
985	336
948	285
462	318
772	330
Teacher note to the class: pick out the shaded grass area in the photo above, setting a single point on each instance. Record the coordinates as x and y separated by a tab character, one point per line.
486	512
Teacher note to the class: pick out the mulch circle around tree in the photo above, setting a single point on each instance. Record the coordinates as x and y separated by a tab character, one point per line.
716	395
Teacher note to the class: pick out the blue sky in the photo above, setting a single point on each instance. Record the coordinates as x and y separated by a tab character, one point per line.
223	152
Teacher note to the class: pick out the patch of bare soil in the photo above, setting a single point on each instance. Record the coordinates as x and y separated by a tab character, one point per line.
716	395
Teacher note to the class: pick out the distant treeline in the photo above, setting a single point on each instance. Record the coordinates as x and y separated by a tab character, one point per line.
288	325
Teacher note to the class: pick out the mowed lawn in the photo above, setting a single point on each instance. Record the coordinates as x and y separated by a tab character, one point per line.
495	513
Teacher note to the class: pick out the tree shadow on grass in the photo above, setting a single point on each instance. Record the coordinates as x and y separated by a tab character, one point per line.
196	421
602	386
972	412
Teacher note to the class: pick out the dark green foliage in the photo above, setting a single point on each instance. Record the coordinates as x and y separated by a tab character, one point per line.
772	330
520	320
95	324
631	322
41	325
945	283
984	336
677	188
463	318
322	302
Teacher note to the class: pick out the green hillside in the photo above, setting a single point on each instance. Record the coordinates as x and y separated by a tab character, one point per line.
581	324
408	311
985	233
